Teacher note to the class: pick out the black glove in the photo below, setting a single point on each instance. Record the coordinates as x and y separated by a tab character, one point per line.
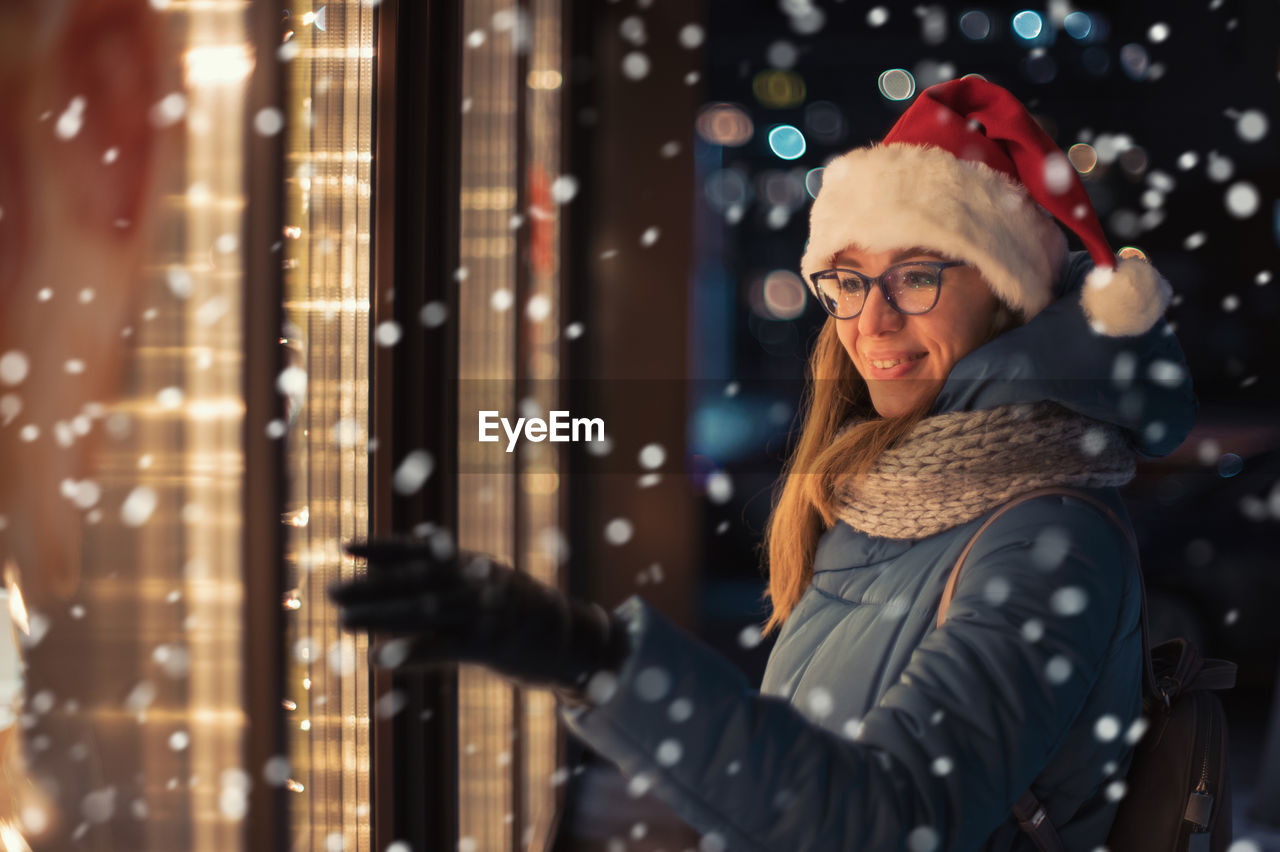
468	608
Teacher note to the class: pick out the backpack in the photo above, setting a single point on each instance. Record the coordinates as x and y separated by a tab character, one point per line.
1178	792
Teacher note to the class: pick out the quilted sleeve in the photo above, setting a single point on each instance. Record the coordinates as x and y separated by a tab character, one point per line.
982	705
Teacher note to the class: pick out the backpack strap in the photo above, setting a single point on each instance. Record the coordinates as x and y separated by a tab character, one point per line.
1148	673
1034	821
1032	817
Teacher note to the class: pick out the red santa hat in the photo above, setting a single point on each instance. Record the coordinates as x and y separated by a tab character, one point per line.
967	172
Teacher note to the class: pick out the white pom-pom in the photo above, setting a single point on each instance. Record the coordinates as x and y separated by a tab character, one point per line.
1125	301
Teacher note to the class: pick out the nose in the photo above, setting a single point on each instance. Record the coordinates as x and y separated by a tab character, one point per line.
878	316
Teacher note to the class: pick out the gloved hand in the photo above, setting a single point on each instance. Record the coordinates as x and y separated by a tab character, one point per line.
468	608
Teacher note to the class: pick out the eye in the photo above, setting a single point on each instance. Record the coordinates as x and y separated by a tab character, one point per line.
918	278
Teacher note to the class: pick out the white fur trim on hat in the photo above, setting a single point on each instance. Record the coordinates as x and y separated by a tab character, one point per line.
896	196
1124	301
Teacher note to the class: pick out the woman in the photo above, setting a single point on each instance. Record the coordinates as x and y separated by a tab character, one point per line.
968	359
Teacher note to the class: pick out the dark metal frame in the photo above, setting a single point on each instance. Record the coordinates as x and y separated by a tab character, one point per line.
267	823
415	399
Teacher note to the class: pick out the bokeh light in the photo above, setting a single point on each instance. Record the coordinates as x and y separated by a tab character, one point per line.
824	122
1028	25
1078	25
813	181
1083	157
787	142
783	294
897	84
778	89
727	188
975	25
1135	60
724	124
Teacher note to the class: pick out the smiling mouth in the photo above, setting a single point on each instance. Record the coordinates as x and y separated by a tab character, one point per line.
885	365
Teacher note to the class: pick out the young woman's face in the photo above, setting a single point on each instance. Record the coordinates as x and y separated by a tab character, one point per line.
904	358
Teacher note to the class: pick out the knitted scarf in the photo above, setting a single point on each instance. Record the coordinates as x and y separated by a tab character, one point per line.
958	466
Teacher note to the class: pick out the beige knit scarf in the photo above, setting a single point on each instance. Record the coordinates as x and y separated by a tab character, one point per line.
957	466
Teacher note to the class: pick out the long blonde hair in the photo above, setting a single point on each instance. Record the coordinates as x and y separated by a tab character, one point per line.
804	506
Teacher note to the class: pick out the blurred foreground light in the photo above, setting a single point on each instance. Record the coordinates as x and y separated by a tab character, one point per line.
1131	251
897	84
778	89
217	64
787	142
975	25
1028	25
724	124
1078	25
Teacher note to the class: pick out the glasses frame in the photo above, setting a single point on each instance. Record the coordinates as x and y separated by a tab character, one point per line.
878	281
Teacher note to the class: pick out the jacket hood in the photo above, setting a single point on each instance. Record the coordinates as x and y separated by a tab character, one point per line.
1141	384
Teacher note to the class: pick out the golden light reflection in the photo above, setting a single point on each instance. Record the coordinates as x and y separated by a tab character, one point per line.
17	609
544	80
212	65
12	838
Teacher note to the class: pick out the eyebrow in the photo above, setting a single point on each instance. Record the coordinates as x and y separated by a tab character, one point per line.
900	256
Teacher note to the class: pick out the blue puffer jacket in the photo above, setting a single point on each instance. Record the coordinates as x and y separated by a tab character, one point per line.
874	730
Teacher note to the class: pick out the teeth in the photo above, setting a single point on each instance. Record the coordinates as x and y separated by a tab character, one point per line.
884	365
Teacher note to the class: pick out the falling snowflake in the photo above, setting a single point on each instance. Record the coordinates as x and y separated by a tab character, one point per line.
680	710
601	687
618	531
387	333
719	487
635	65
996	591
669	752
268	121
1242	200
14	367
1068	601
433	314
1220	168
1058	669
750	636
652	456
138	506
652	683
1251	125
691	36
650	236
72	119
1107	728
922	838
820	702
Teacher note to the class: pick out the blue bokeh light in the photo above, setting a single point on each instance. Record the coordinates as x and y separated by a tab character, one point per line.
1078	25
787	142
1028	25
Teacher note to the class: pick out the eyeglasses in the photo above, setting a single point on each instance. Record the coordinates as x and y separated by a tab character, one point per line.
909	288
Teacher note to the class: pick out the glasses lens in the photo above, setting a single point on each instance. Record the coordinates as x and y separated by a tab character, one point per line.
841	294
848	292
913	287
